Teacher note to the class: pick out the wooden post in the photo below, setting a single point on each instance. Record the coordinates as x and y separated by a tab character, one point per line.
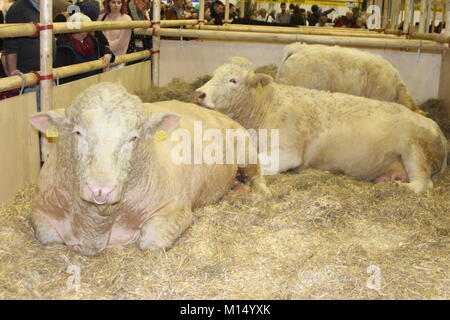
46	54
395	12
227	10
155	43
408	19
447	18
428	20
433	19
46	65
444	15
201	13
385	19
242	9
423	16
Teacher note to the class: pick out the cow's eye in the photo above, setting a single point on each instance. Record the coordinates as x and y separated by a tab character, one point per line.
132	139
233	80
77	133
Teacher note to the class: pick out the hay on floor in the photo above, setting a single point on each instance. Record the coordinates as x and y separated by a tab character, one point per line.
314	240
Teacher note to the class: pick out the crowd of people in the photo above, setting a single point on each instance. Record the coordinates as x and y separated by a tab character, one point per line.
295	15
21	55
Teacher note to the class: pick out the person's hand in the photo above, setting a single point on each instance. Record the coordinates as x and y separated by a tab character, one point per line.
14	72
106	60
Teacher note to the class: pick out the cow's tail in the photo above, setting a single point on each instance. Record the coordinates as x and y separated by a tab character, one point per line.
405	98
288	51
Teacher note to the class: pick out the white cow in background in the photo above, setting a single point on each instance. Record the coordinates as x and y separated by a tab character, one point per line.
346	70
363	138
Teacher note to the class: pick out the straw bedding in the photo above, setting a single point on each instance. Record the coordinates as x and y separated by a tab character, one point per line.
314	240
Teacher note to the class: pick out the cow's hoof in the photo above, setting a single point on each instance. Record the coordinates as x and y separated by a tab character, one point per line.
416	186
153	244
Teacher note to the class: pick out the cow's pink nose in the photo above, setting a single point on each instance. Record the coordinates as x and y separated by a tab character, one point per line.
100	194
199	96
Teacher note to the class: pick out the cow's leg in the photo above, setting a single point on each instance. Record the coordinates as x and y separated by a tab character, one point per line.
418	168
252	173
43	230
164	228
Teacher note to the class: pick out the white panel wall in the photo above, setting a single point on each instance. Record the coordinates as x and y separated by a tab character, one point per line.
191	59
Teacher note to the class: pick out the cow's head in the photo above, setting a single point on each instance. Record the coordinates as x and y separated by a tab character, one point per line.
231	85
100	132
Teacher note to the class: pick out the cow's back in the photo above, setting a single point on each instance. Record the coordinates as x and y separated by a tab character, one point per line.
196	182
344	70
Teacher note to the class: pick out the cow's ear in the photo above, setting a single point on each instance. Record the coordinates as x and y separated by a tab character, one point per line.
43	120
167	122
257	79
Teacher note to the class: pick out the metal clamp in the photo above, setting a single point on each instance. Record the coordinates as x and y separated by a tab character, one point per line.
181	38
57	77
24	80
419	51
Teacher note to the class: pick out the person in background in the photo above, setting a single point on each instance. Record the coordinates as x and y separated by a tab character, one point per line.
119	40
60	13
90	8
346	21
297	18
291	8
189	10
233	14
360	23
283	17
313	18
217	12
322	21
175	12
22	53
264	16
273	14
208	14
74	48
138	10
2	70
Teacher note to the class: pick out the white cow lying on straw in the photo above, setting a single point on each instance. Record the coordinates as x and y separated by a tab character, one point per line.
346	70
363	138
111	179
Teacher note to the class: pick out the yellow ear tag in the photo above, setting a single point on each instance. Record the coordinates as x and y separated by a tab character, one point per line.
160	135
52	132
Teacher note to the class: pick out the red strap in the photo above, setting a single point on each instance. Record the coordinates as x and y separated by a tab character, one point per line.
47	27
47	77
155	22
40	28
154	51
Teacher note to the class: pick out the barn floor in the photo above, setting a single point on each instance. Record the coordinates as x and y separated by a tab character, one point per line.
322	236
315	239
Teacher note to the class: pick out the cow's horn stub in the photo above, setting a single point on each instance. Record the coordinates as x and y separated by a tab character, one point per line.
243	62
